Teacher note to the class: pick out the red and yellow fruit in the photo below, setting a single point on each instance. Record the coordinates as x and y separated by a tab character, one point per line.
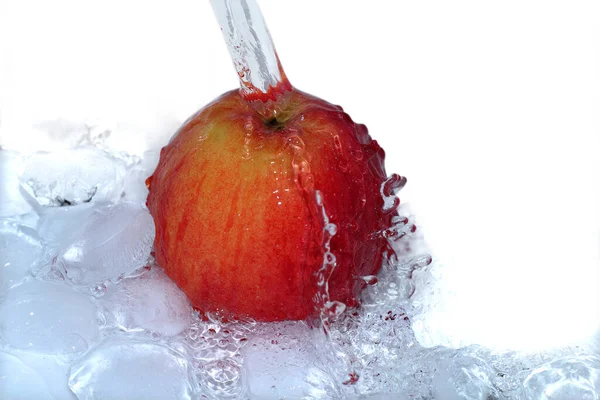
233	199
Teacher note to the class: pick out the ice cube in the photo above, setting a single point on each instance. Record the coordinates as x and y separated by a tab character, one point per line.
74	176
109	243
52	370
60	226
12	201
19	249
151	301
280	363
463	377
565	379
132	369
49	318
20	382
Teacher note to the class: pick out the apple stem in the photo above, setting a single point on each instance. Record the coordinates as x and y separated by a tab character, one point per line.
251	49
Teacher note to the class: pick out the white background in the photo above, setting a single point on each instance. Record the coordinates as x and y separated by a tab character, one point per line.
489	108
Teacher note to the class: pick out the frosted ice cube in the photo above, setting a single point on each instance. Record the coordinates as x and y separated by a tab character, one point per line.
111	242
49	318
74	176
151	301
565	379
20	382
132	369
19	249
463	378
12	201
52	371
280	363
60	226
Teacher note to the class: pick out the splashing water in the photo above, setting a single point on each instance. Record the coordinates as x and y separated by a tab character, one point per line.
116	340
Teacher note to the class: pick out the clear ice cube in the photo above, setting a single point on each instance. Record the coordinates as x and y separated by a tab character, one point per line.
18	381
60	226
108	243
132	369
74	176
48	317
463	377
19	250
151	302
567	378
53	371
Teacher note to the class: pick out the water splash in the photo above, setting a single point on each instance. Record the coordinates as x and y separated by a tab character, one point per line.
215	345
328	310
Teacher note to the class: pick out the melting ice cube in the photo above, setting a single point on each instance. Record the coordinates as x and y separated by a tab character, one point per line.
49	318
60	226
125	369
152	302
107	243
52	370
463	377
74	176
19	250
567	378
19	381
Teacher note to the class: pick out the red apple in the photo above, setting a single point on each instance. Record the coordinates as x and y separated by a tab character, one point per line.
237	223
234	200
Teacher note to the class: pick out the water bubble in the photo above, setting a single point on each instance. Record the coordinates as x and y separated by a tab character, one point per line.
99	290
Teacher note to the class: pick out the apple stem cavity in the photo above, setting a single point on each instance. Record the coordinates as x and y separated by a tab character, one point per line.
262	79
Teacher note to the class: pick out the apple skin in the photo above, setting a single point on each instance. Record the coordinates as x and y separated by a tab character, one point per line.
234	203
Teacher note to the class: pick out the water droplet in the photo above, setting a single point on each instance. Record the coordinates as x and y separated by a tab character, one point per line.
330	259
357	154
99	290
296	142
